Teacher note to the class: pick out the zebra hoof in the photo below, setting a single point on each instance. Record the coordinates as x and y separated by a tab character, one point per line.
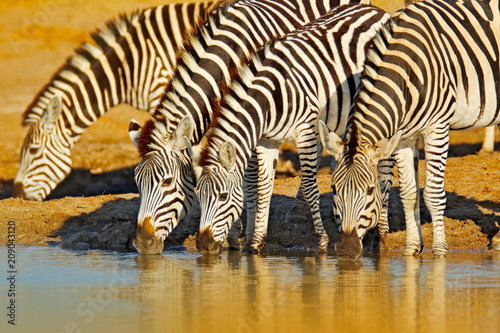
439	253
439	250
233	244
413	250
251	250
233	247
323	250
323	245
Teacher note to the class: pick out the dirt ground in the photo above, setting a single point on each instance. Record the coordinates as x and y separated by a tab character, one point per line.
96	206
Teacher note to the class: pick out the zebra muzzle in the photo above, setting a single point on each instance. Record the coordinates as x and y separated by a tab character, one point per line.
145	241
206	244
349	247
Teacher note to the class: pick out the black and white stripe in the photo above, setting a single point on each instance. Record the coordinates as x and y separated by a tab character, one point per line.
131	61
232	32
433	69
309	74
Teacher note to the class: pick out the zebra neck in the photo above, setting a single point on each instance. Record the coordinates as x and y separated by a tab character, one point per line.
238	121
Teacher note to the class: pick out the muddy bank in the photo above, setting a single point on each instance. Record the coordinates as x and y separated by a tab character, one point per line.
108	221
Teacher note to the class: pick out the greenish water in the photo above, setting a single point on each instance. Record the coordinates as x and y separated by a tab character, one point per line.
94	291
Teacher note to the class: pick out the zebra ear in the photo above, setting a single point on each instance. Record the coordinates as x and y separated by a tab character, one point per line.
384	148
181	144
183	134
185	128
227	155
53	110
134	131
332	143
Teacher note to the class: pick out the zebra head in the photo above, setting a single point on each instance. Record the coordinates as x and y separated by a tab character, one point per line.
220	193
165	179
45	155
357	197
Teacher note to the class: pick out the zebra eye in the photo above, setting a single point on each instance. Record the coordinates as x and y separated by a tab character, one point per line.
167	181
370	190
34	150
223	196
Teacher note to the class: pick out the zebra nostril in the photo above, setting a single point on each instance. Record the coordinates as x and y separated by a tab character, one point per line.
206	244
18	190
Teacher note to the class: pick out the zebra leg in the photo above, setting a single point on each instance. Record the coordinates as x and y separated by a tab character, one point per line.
268	160
250	180
436	143
297	214
233	235
489	139
386	175
308	147
407	162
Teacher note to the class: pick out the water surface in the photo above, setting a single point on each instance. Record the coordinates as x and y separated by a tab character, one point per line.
94	291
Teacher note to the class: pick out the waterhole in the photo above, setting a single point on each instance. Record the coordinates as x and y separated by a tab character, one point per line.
179	291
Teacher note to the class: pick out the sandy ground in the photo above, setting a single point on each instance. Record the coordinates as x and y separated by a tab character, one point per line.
96	206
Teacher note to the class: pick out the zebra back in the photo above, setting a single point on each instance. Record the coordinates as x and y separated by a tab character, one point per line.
435	58
315	68
232	32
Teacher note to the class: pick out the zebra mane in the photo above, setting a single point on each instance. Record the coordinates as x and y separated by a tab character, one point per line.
239	79
80	61
369	75
193	45
378	47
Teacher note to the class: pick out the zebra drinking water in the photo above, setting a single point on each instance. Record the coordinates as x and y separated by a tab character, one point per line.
279	96
165	176
130	63
432	69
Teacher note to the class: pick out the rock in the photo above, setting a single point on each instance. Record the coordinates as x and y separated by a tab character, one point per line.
81	246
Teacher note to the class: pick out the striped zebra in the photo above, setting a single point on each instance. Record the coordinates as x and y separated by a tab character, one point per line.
489	132
164	177
130	63
433	68
279	96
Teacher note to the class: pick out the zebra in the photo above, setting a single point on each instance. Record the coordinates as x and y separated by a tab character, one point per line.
433	68
488	144
232	32
130	62
279	96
